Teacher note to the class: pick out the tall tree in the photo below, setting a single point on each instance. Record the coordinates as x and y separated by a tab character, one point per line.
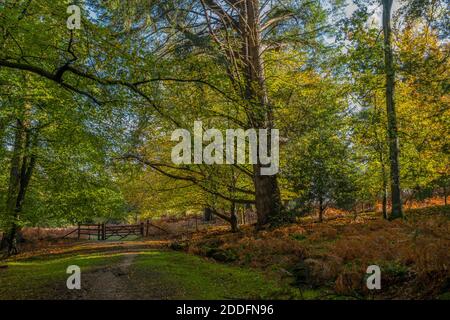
391	113
241	44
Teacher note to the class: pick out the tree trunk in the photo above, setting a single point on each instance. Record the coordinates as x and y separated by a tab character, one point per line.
3	124
9	236
391	113
384	204
233	218
268	199
321	209
383	175
445	195
23	161
207	214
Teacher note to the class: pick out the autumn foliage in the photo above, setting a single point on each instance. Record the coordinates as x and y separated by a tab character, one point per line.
413	254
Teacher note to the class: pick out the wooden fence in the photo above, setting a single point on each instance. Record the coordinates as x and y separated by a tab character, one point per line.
103	231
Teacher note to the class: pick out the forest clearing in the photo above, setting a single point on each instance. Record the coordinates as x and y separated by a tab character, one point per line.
255	150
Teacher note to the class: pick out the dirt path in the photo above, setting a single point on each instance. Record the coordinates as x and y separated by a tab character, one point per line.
131	271
119	282
108	283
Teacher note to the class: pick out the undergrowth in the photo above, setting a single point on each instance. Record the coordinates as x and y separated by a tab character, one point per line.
413	253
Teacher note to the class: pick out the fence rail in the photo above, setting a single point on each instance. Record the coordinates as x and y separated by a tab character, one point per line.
103	231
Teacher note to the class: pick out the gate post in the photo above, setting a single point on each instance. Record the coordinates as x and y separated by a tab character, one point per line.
79	231
147	227
142	229
103	231
98	231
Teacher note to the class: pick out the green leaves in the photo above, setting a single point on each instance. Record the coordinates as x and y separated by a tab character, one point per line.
139	69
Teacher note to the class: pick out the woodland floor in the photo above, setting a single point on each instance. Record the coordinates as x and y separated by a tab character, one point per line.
302	260
129	270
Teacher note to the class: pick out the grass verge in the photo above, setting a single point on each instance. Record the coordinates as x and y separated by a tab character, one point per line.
41	278
197	278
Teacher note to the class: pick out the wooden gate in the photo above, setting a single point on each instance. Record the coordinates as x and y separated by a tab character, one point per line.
122	231
103	231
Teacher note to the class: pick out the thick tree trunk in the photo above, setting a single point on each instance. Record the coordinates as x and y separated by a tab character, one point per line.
23	161
268	199
391	113
8	240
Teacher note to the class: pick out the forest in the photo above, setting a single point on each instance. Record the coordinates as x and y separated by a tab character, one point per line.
98	97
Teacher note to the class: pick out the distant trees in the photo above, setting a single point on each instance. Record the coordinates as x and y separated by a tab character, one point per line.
321	166
325	174
417	121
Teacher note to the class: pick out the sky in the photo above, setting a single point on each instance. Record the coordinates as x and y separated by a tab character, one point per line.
376	18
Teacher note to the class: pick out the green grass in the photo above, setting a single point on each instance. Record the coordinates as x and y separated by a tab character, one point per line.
197	278
444	296
153	274
37	278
